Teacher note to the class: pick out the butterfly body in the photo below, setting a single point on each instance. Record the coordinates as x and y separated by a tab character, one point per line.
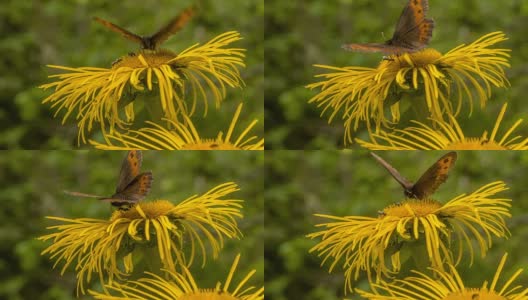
429	182
412	33
152	42
132	186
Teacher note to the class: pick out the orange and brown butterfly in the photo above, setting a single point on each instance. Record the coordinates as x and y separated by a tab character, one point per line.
413	32
132	186
153	42
428	182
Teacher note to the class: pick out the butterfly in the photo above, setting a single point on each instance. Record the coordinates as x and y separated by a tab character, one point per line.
413	32
428	182
152	42
131	185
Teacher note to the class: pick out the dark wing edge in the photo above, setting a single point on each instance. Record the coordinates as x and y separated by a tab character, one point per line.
420	190
404	23
132	192
126	173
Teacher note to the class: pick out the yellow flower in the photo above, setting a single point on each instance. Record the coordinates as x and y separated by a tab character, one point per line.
420	225
367	94
100	95
446	286
157	230
448	136
182	286
182	137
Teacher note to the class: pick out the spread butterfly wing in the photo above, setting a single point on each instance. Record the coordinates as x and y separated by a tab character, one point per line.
136	190
406	184
129	169
125	33
77	194
374	47
172	27
413	31
434	176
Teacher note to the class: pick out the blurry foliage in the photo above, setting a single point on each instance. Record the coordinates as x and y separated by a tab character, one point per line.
300	184
39	33
299	34
33	184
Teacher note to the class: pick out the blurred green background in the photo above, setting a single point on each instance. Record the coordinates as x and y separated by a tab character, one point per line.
302	183
299	34
32	188
54	32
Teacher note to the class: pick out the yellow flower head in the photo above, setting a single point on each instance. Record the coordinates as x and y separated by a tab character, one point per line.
182	137
446	285
366	243
367	95
159	229
182	287
447	136
104	96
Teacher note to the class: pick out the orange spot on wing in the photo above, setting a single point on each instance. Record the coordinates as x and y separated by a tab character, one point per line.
413	32
426	31
419	9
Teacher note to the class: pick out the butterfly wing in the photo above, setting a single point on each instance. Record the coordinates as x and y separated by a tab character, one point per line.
413	31
129	169
406	184
136	190
77	194
171	28
374	47
125	33
433	177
